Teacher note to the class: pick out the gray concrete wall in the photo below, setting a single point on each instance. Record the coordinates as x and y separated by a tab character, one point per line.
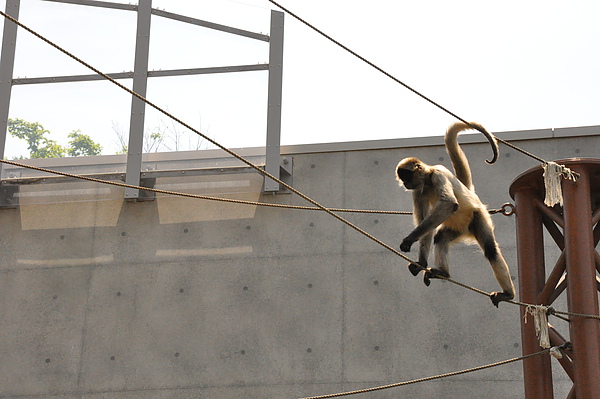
183	298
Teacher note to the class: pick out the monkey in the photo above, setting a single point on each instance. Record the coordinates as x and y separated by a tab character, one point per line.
446	210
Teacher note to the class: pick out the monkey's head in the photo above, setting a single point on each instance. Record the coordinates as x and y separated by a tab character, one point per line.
411	172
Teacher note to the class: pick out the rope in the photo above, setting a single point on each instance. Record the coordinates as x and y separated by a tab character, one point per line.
452	374
206	197
240	158
522	151
505	210
212	141
389	75
550	310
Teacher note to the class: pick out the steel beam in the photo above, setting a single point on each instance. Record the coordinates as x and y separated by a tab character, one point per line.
273	148
537	371
7	63
151	74
138	107
582	293
95	3
211	25
579	260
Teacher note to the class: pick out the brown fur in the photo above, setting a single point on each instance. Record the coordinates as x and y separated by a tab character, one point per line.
446	210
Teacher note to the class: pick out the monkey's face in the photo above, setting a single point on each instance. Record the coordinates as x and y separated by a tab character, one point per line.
407	177
409	173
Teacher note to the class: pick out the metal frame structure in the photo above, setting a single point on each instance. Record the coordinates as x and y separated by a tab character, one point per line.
574	272
273	161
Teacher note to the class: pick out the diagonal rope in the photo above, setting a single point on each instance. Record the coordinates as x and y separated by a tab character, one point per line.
395	79
234	154
212	141
205	197
551	311
435	377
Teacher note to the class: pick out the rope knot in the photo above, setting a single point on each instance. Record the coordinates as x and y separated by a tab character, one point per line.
555	351
553	173
540	319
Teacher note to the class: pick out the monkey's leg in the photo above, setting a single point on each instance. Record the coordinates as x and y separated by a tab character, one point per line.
424	248
484	234
441	242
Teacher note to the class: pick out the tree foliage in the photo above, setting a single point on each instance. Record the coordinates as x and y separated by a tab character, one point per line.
82	144
40	146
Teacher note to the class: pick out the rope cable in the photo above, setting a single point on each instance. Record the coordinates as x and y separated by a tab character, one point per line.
204	136
207	197
395	79
541	160
431	378
330	211
551	311
305	197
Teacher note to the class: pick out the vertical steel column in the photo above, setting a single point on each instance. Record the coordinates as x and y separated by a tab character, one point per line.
140	83
537	371
273	152
579	255
7	63
582	292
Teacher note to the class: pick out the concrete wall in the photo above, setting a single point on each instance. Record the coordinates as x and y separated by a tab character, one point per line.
183	298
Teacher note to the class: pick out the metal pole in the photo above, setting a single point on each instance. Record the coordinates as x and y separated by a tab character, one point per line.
537	371
582	292
140	83
7	63
272	161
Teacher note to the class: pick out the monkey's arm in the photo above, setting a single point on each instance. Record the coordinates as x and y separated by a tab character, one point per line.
445	206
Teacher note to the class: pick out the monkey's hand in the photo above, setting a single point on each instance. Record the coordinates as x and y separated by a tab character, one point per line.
498	297
433	273
407	243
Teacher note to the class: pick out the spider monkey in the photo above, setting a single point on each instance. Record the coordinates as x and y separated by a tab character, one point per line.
446	210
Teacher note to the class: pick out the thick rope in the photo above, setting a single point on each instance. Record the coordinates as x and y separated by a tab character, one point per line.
452	374
506	210
395	79
551	311
389	75
235	155
207	138
206	197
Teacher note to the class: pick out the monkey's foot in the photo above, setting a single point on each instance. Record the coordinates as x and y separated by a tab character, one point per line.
498	297
433	273
415	268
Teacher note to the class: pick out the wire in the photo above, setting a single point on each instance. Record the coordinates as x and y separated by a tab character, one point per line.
228	151
206	197
234	154
551	310
395	79
455	373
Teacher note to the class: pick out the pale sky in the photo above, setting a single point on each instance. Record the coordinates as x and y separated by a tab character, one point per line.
509	65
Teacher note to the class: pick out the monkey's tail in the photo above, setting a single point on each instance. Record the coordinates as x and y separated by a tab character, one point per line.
457	156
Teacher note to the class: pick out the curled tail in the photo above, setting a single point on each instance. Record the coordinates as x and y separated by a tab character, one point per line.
457	156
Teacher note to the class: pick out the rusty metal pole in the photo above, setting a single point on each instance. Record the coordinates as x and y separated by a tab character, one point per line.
580	204
582	292
537	371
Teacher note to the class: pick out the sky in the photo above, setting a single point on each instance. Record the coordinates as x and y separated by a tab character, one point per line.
509	65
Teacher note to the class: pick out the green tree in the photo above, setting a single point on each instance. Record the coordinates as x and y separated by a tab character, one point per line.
40	146
82	144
